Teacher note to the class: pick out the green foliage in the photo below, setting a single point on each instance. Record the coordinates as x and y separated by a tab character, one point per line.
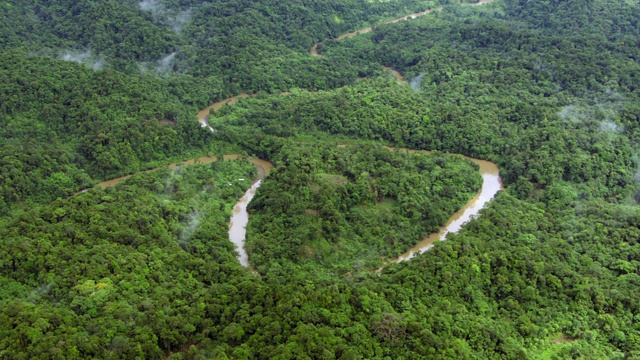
99	266
344	208
62	124
546	89
502	91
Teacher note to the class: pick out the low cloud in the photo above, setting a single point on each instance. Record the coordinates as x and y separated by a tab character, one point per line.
416	82
173	18
86	58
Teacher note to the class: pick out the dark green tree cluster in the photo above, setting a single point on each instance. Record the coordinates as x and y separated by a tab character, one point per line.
249	45
121	272
118	30
546	89
531	144
611	19
62	124
502	91
346	208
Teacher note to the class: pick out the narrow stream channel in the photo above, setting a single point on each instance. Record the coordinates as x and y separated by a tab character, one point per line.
239	221
240	216
492	182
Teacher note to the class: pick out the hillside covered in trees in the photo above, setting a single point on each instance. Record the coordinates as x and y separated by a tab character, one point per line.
92	90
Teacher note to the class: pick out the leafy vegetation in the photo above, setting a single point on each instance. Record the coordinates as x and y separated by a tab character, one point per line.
347	207
63	125
547	90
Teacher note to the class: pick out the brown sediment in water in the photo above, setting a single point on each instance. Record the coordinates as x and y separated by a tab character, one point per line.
237	227
201	160
240	217
262	166
203	114
491	184
314	48
238	223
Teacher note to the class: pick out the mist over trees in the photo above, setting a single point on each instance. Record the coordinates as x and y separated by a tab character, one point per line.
92	90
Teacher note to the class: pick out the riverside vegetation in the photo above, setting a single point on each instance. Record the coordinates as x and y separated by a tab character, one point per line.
546	90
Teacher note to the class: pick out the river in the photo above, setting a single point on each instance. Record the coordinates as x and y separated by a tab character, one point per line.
314	49
240	216
202	160
203	115
492	182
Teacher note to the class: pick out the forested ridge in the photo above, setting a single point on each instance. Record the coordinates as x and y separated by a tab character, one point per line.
91	90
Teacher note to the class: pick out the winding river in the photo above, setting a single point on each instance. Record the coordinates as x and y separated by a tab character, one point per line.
202	160
492	182
240	217
203	115
314	49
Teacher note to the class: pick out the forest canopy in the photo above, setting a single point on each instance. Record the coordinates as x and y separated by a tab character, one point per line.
93	90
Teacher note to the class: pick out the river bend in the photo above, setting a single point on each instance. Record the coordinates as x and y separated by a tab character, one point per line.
492	183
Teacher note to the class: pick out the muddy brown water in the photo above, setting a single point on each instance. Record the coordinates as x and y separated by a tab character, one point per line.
203	115
314	48
240	217
202	160
395	74
492	182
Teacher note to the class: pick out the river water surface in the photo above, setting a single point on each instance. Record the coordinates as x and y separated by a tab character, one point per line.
239	219
202	160
314	49
491	184
203	115
240	216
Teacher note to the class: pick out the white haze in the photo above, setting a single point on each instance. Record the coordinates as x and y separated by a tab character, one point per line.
603	112
86	58
176	20
180	20
149	5
192	225
164	65
416	82
611	127
161	67
37	293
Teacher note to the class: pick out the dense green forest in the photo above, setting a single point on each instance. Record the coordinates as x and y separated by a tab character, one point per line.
248	45
347	207
63	125
91	90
